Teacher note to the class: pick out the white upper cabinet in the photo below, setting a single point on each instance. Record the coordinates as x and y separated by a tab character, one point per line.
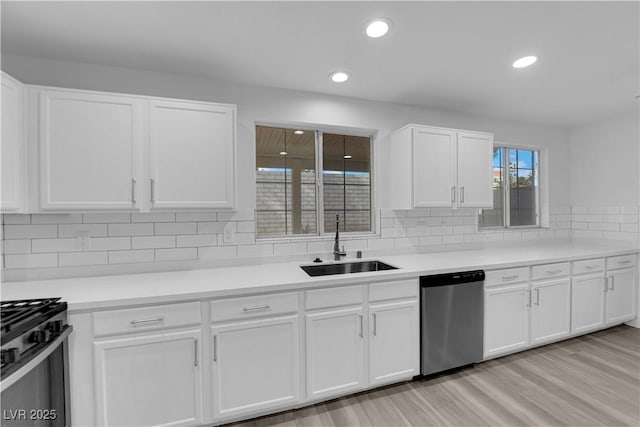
13	170
438	167
89	151
192	150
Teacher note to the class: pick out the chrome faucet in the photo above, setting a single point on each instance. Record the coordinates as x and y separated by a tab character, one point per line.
337	253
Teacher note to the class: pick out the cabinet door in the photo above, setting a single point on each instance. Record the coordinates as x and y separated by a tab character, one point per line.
192	155
587	303
550	310
506	319
149	380
12	145
394	341
475	154
255	365
335	352
433	167
89	151
620	297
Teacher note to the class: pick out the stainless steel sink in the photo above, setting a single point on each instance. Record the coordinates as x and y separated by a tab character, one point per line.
346	268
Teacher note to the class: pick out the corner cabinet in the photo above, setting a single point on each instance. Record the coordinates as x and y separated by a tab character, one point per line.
99	151
13	144
191	147
439	167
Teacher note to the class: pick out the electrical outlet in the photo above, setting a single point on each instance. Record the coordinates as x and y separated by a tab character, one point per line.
227	237
83	240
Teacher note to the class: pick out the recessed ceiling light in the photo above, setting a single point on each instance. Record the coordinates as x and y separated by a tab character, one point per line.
339	76
283	153
524	61
377	28
347	156
299	132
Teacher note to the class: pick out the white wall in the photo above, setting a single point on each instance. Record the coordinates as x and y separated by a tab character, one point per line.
259	104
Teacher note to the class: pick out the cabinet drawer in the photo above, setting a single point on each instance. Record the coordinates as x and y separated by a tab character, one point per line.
588	266
334	297
254	306
393	290
507	276
146	318
547	271
624	261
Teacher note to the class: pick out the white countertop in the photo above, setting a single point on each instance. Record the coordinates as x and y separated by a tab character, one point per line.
94	293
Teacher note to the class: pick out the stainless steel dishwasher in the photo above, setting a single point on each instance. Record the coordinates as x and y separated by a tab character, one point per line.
451	320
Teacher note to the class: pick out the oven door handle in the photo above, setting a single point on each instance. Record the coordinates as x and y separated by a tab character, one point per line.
39	358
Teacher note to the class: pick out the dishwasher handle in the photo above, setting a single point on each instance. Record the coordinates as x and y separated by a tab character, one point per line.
452	278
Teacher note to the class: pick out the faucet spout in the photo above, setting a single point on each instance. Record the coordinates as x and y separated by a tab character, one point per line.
337	253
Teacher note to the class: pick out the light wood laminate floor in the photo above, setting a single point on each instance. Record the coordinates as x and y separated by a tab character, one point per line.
592	380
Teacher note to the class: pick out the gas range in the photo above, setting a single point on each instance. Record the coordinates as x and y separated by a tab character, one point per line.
27	328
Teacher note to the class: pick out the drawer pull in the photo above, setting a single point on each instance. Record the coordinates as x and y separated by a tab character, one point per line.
375	332
612	288
195	353
256	308
538	297
624	262
512	277
144	321
529	303
215	348
550	272
589	267
361	326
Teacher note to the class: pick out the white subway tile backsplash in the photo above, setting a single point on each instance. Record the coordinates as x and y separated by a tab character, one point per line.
55	245
176	254
218	252
21	246
83	258
105	218
246	227
174	228
109	243
16	219
130	257
238	215
195	216
210	227
450	239
31	260
153	242
153	217
56	219
257	251
196	240
240	239
72	230
603	226
296	248
430	240
30	231
140	229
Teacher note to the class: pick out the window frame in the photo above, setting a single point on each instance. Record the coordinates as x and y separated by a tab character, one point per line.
542	193
319	131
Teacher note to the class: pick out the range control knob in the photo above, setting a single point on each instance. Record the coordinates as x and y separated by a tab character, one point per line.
9	355
55	327
40	336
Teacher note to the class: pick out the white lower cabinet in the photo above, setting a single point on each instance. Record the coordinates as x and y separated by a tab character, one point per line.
152	379
620	296
506	319
587	303
550	310
255	365
394	341
335	352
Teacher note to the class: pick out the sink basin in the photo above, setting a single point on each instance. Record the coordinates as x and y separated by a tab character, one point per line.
346	268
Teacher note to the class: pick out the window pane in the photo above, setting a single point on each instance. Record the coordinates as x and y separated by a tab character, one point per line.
347	182
495	217
523	191
285	182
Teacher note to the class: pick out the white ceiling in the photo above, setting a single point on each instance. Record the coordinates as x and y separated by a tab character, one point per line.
448	55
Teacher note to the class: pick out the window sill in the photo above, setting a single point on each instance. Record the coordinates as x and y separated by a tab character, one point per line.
521	228
315	238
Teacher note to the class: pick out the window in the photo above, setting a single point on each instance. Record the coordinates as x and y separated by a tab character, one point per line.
304	178
516	189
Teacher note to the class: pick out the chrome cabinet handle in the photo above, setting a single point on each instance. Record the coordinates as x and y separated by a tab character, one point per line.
256	308
624	262
453	194
606	284
361	331
529	304
461	194
195	352
143	321
512	277
133	191
375	325
215	348
153	190
538	297
613	283
549	272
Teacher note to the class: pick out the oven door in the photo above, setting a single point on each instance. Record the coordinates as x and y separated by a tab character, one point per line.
37	394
